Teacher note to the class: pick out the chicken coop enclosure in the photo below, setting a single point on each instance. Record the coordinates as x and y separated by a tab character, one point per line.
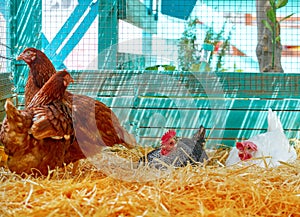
140	58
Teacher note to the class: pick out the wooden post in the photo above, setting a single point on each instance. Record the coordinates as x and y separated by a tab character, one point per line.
108	34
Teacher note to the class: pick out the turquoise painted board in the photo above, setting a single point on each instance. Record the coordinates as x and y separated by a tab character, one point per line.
231	106
168	84
108	34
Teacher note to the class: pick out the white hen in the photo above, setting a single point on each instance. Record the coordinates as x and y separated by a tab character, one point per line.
270	147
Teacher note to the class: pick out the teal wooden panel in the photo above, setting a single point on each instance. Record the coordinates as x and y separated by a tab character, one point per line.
108	34
149	102
146	139
210	143
117	102
185	119
234	125
204	103
167	83
236	121
201	103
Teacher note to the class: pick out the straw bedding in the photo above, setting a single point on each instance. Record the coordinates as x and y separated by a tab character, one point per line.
209	190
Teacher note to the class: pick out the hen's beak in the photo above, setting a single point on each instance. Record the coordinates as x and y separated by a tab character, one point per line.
67	80
20	57
71	80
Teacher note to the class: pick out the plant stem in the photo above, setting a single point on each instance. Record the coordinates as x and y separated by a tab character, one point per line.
274	46
274	35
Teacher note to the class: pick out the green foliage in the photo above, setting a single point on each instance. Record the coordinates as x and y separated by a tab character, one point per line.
187	47
235	69
217	39
189	51
165	67
273	25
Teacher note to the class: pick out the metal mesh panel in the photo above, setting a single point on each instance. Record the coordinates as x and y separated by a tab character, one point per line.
152	34
70	32
5	49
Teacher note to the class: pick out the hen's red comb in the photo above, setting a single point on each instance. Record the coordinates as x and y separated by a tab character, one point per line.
167	136
240	146
246	144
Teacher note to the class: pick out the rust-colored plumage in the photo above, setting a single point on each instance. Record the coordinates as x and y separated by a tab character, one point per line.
51	115
87	112
54	89
56	124
37	139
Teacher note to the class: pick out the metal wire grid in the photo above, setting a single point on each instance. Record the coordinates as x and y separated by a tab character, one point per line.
149	37
82	35
5	50
70	32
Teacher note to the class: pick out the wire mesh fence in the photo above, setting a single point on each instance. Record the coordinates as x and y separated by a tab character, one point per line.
146	34
5	50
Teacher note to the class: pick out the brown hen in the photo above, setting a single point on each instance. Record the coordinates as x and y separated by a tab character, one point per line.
41	69
94	123
37	139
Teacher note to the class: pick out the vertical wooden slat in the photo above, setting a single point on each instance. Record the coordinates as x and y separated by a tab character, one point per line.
108	34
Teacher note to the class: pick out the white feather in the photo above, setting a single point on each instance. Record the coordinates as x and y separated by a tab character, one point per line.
273	146
273	122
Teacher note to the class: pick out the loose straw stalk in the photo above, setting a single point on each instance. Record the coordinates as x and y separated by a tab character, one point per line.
208	190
